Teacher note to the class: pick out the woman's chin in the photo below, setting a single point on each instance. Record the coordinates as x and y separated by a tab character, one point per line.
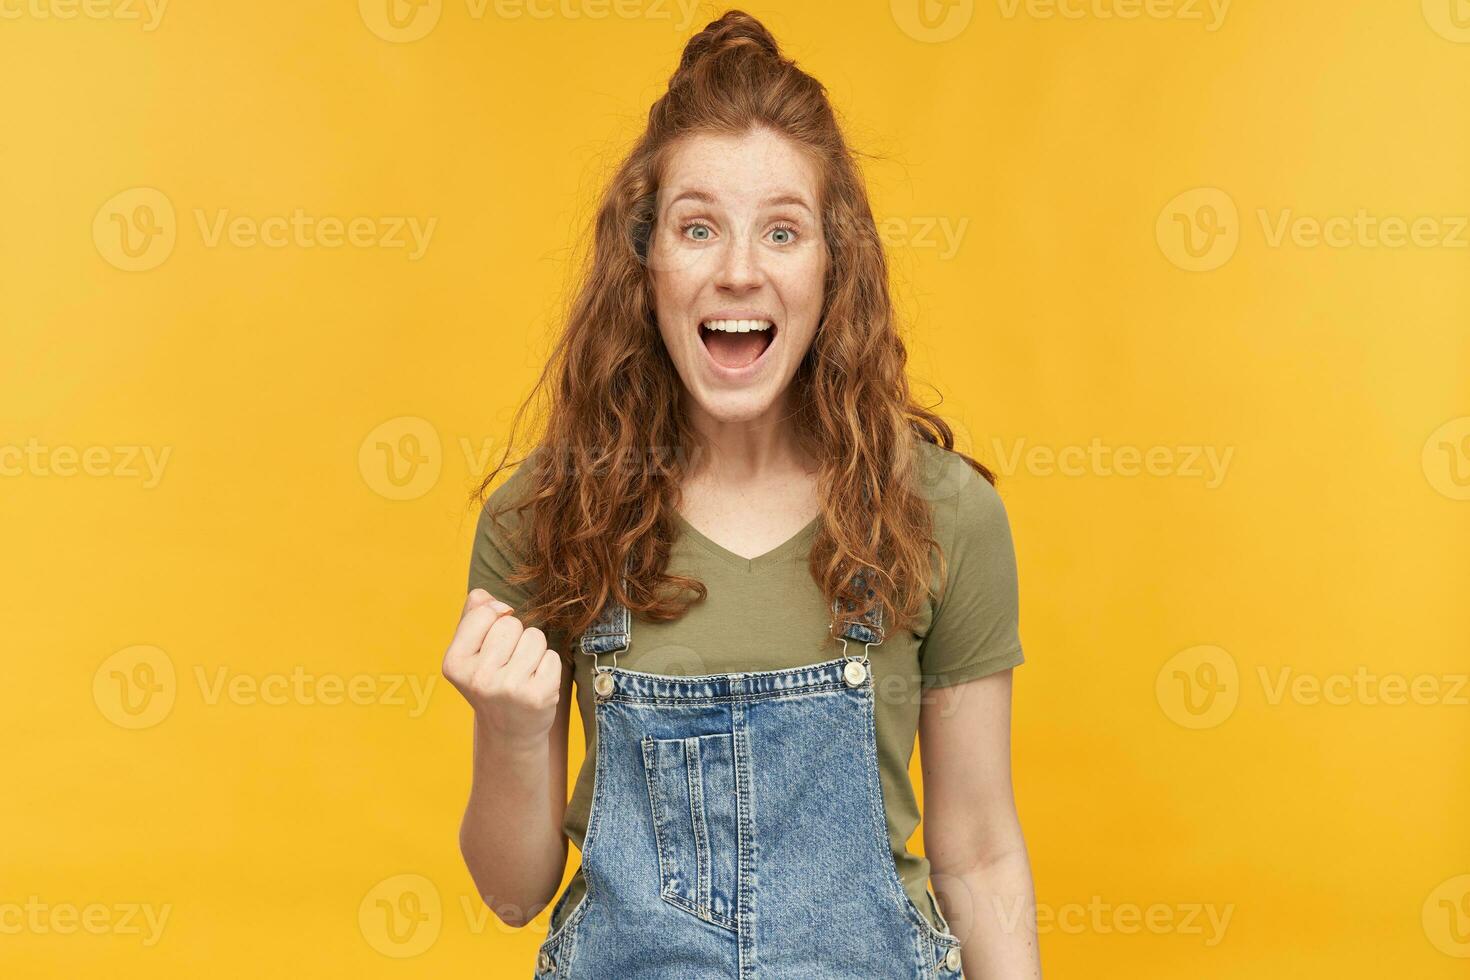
738	405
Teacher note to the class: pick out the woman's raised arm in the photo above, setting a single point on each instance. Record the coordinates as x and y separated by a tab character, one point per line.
521	692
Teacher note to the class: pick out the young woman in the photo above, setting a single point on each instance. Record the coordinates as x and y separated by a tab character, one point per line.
764	569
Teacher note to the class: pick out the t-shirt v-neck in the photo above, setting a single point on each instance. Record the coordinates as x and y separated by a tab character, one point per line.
759	562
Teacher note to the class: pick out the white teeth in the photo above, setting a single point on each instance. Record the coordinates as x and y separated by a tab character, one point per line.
738	326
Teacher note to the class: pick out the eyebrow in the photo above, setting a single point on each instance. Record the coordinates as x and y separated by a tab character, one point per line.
708	198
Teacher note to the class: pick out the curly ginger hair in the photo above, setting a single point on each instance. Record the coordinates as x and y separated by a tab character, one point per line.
616	446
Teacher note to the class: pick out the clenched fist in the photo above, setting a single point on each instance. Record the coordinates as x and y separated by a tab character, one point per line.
504	670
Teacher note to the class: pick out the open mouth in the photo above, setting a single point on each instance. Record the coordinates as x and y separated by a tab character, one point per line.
736	344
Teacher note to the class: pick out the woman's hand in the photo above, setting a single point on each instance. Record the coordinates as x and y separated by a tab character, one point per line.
504	670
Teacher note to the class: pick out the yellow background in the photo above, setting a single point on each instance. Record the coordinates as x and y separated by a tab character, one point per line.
326	410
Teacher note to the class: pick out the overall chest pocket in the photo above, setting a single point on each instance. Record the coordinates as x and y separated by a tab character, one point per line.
693	798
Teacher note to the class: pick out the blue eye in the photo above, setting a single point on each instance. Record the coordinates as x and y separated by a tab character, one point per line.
787	231
687	228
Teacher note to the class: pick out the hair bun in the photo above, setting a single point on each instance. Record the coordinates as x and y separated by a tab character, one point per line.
735	29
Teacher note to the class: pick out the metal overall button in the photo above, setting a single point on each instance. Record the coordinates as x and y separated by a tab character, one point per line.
952	958
602	677
544	963
855	671
603	683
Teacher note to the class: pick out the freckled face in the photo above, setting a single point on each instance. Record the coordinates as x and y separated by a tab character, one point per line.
738	261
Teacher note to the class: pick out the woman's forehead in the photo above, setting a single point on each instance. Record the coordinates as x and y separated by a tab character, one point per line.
755	169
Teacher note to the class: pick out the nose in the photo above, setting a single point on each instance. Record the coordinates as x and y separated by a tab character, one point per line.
739	269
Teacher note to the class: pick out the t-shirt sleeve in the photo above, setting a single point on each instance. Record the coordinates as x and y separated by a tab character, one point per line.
492	562
491	557
975	627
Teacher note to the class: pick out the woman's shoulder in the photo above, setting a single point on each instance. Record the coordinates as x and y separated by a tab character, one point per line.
513	489
965	504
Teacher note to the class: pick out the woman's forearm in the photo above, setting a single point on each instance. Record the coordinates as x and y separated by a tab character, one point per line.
994	917
510	837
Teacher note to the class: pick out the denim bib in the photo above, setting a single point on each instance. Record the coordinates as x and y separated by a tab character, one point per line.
737	828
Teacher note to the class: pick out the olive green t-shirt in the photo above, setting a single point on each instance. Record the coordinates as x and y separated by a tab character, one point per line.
969	633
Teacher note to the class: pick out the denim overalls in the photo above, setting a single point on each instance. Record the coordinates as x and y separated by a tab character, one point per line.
736	829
